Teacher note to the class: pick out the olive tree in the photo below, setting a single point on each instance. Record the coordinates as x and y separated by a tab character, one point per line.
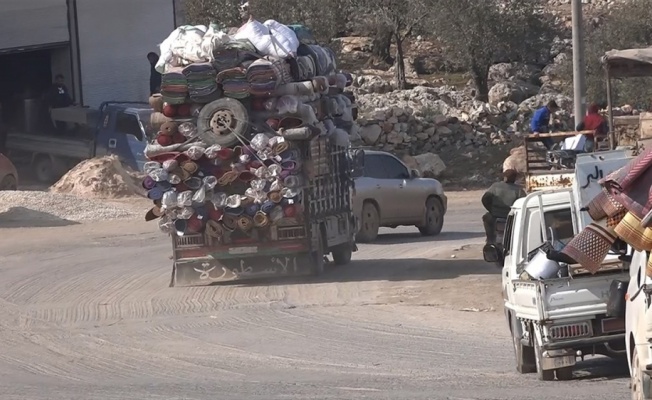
397	19
479	33
625	25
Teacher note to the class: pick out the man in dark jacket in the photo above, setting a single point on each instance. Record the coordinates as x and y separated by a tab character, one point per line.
498	201
154	75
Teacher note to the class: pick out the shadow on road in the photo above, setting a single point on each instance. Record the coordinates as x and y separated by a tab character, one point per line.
416	237
601	369
394	270
20	217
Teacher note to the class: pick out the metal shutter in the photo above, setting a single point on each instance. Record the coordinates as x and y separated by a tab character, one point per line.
114	39
27	23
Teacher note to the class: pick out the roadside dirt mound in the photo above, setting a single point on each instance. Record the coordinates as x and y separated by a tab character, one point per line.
102	177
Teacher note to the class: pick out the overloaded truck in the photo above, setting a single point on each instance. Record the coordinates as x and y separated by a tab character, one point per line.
558	312
251	170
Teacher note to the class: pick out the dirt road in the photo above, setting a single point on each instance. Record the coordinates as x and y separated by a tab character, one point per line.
86	313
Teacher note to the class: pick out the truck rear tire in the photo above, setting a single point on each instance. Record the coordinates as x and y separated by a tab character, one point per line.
543	375
342	254
525	359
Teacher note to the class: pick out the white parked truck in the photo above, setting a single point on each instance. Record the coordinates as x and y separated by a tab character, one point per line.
555	320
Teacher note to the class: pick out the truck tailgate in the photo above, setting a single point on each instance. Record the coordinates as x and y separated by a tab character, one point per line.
581	296
563	298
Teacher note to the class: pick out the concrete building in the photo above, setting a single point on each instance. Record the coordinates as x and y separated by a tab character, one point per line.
99	46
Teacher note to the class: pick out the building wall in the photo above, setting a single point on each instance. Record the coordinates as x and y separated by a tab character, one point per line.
114	39
29	23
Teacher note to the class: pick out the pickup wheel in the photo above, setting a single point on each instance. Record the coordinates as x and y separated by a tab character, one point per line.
543	375
525	360
223	122
369	224
44	170
8	183
434	218
342	254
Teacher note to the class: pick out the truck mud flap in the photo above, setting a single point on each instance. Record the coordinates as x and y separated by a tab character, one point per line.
206	271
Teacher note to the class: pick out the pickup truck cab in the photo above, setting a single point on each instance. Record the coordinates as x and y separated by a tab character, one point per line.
555	320
120	128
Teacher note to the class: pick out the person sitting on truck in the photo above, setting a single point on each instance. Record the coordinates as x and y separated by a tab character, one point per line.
498	201
59	97
593	121
541	122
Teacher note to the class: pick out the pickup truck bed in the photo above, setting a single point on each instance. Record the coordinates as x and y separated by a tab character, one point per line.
582	296
62	147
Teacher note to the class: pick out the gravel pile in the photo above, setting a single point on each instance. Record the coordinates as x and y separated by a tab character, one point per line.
103	177
39	207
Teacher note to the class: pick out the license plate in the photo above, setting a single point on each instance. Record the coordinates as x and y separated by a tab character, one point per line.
557	362
243	250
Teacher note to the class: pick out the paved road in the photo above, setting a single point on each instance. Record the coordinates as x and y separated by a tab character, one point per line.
85	313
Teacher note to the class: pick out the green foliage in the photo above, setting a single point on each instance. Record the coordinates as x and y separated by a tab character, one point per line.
626	26
480	33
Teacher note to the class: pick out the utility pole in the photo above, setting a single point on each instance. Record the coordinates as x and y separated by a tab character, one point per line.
579	67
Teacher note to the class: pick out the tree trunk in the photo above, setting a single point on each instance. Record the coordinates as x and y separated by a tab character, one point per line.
481	80
399	64
382	43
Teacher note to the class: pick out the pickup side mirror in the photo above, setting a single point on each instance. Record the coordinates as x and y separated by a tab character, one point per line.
414	174
357	165
493	254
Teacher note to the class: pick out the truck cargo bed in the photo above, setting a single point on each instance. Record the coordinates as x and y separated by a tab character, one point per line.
564	298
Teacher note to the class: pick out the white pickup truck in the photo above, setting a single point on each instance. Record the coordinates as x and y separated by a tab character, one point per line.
554	321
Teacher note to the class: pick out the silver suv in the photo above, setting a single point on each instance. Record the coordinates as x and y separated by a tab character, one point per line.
389	194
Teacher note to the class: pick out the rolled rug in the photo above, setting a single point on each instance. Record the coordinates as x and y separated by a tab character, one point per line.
154	213
189	166
214	229
164	185
603	205
193	183
181	226
245	223
261	219
275	197
230	222
633	233
155	193
267	207
148	183
591	246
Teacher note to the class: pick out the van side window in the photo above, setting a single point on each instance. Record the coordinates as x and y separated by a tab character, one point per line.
507	237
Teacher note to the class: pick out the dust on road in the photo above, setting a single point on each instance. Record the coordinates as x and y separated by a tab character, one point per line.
85	313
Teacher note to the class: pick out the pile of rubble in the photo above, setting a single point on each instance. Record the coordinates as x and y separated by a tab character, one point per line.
427	119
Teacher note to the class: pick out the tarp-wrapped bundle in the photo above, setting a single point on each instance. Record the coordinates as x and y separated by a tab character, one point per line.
239	118
622	210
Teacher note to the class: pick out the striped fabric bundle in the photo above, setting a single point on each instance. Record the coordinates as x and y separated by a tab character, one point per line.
174	86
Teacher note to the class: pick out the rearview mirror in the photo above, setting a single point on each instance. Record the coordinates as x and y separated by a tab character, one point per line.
492	254
415	174
357	167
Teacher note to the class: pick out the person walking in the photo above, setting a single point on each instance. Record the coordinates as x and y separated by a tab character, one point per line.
498	200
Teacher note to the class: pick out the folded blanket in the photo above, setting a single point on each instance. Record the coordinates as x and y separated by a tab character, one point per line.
233	53
323	57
